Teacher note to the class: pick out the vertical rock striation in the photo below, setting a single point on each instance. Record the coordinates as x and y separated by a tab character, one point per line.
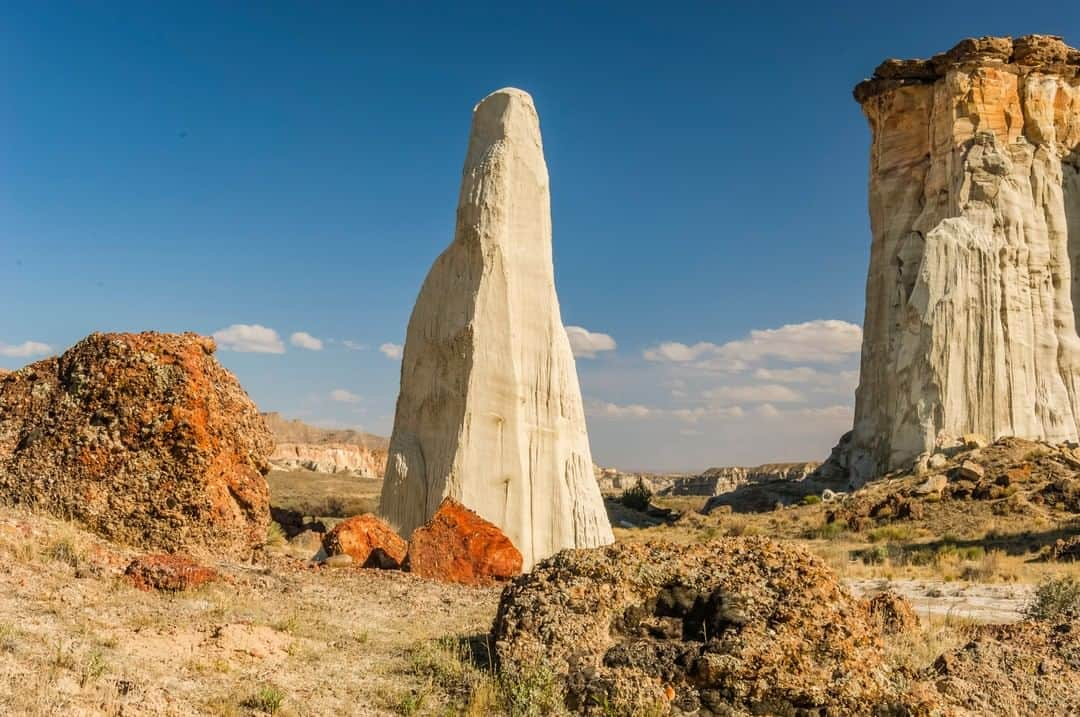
973	285
490	411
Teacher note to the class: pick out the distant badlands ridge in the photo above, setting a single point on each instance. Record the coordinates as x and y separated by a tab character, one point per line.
325	450
333	450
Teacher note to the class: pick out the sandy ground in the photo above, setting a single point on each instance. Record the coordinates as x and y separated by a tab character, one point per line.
978	602
75	639
278	636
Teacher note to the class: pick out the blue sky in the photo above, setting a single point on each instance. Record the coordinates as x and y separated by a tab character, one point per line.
191	166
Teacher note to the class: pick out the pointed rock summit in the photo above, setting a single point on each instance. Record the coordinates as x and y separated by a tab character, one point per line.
490	410
972	293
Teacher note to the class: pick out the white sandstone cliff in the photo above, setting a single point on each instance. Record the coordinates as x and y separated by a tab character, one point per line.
972	289
717	481
490	411
330	458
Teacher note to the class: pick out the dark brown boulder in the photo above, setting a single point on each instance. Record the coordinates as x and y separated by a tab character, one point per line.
143	438
734	626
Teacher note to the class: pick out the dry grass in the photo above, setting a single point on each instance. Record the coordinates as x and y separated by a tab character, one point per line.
271	639
278	638
324	495
915	650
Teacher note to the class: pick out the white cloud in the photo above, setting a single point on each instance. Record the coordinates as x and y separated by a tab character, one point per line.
613	410
304	340
250	338
391	351
820	341
767	410
353	345
586	344
340	394
755	393
799	374
24	350
636	410
679	353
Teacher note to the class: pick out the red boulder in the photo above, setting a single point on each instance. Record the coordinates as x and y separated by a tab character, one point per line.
368	540
168	573
458	546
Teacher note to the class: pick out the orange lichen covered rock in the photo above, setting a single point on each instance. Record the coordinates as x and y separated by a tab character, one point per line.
458	546
144	438
368	540
169	573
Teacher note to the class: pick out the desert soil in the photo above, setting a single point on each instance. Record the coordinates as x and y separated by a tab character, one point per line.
279	636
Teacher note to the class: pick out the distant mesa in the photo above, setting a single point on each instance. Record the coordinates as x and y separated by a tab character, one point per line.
490	412
300	446
971	298
143	438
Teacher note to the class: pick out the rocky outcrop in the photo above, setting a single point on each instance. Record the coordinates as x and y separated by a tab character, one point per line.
973	288
368	540
458	546
325	450
144	438
733	626
1028	668
717	481
490	410
613	481
341	458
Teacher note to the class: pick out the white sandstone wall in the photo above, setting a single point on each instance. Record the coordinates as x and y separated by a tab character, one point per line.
970	322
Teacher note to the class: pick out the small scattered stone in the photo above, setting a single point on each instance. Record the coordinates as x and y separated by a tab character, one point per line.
342	560
932	485
971	471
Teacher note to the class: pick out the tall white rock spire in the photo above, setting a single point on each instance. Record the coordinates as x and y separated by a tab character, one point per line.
490	410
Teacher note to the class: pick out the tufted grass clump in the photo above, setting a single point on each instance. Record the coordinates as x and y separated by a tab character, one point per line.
267	698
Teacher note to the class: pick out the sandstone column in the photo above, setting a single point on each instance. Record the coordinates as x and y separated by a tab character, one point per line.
490	411
975	211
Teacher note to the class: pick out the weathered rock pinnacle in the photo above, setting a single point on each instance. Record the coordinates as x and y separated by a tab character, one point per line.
972	289
490	410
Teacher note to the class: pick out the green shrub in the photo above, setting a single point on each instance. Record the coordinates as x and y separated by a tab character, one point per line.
811	499
267	699
827	531
876	555
637	497
1057	599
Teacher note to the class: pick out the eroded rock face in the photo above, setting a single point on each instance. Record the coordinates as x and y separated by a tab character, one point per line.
733	626
368	540
340	458
490	410
973	288
144	438
458	546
